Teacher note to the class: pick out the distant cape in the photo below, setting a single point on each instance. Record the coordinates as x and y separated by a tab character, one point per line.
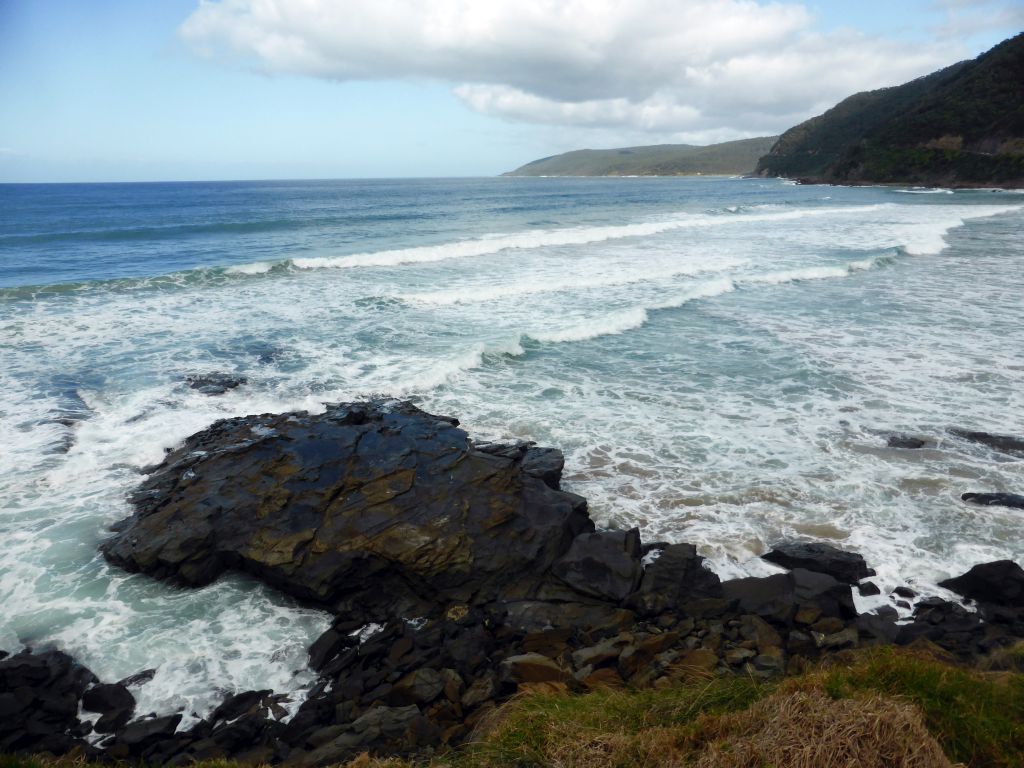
728	158
960	126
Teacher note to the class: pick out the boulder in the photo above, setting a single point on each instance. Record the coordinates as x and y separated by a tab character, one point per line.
532	668
1000	584
676	577
1012	500
821	558
144	732
1004	443
604	565
373	509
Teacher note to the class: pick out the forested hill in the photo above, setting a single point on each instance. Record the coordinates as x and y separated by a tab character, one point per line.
728	158
960	126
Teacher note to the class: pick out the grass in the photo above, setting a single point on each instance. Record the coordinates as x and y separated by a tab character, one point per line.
881	707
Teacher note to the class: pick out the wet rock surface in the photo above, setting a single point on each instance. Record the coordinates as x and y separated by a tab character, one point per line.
1012	500
370	509
459	575
214	384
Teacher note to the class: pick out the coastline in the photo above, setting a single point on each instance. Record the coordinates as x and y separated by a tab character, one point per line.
440	620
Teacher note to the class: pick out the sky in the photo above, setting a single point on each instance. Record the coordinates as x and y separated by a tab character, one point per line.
122	90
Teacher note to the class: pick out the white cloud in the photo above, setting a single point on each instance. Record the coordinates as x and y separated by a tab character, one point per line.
667	67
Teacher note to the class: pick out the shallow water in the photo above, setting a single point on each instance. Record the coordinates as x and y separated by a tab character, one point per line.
720	359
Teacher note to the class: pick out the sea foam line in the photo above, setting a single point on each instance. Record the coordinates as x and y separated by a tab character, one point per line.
632	318
472	294
541	238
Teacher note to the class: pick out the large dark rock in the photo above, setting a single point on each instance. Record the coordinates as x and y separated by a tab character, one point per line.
604	565
1012	500
1000	584
822	558
39	702
778	597
675	578
1004	443
113	701
905	441
372	509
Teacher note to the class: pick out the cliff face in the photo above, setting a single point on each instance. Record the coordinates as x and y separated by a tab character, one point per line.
961	126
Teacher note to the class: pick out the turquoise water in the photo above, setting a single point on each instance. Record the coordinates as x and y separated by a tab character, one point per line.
720	359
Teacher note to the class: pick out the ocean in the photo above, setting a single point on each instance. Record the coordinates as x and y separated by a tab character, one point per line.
721	360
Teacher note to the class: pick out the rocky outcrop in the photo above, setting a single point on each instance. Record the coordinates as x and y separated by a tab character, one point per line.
372	509
460	574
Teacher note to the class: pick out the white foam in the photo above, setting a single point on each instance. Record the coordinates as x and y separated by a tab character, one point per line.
546	283
254	268
496	243
611	324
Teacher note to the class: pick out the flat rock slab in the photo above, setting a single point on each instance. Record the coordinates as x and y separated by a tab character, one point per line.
371	509
821	558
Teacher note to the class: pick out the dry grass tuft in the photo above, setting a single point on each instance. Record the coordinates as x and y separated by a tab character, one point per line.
807	729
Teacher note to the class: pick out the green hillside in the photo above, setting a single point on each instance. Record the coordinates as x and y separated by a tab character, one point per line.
728	158
963	125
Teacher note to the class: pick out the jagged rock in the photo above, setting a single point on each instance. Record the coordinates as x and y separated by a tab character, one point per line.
39	702
821	558
778	597
1000	583
1012	500
113	701
605	565
676	577
545	463
374	509
1004	443
215	383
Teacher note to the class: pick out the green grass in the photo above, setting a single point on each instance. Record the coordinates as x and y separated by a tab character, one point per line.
976	716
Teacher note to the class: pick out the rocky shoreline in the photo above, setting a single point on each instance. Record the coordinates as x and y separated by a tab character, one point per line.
459	574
